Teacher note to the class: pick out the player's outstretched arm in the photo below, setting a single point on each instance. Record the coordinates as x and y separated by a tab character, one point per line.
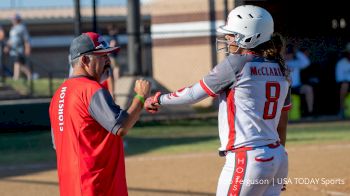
188	95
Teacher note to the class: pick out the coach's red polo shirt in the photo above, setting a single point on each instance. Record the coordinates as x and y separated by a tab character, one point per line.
90	156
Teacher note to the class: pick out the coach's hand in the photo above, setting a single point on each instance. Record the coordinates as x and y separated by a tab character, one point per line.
142	88
152	103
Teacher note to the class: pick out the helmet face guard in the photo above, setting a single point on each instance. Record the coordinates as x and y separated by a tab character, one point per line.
251	25
223	45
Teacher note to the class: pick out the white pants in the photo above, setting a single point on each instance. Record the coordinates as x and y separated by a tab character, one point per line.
254	172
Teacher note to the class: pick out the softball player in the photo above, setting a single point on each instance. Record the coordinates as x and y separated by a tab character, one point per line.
253	87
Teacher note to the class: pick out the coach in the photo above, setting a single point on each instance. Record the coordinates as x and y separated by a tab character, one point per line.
87	125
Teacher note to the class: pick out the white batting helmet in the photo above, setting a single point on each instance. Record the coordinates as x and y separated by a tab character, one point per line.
251	25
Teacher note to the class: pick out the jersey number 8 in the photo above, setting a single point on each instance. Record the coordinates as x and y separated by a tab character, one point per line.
271	99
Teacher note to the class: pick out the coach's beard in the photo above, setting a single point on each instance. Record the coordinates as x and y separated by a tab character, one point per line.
106	73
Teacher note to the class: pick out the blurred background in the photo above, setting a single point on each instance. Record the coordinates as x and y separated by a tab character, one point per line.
172	43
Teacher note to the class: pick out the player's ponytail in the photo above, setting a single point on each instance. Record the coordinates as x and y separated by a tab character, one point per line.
273	50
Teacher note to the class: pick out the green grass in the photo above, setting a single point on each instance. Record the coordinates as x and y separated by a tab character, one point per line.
162	138
203	136
174	137
26	147
41	87
319	132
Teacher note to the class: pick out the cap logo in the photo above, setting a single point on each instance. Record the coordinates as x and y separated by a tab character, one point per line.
102	43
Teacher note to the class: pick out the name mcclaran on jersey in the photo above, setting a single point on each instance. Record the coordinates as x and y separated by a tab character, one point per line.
61	108
265	71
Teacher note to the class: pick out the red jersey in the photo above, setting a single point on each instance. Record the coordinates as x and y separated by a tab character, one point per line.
90	156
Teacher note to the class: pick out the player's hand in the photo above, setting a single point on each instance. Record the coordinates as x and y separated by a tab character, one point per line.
152	103
142	87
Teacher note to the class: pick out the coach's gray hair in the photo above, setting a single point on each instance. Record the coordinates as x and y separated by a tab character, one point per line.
76	60
73	62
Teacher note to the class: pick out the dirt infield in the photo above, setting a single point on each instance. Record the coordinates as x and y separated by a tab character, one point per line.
197	174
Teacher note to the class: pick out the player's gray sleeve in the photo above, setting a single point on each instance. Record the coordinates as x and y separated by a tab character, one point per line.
223	75
103	109
188	95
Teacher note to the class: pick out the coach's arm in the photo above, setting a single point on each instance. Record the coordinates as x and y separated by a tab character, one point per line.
110	116
142	88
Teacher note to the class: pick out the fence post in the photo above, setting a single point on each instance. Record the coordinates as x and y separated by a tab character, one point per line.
2	62
50	84
212	20
31	82
134	40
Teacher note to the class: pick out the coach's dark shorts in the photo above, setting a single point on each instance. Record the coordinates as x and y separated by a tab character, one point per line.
18	58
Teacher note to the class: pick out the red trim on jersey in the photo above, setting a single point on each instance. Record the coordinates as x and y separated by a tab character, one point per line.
238	173
263	159
231	111
178	91
207	89
287	107
174	94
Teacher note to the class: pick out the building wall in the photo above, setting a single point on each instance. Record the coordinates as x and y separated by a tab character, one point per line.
179	57
176	67
182	45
